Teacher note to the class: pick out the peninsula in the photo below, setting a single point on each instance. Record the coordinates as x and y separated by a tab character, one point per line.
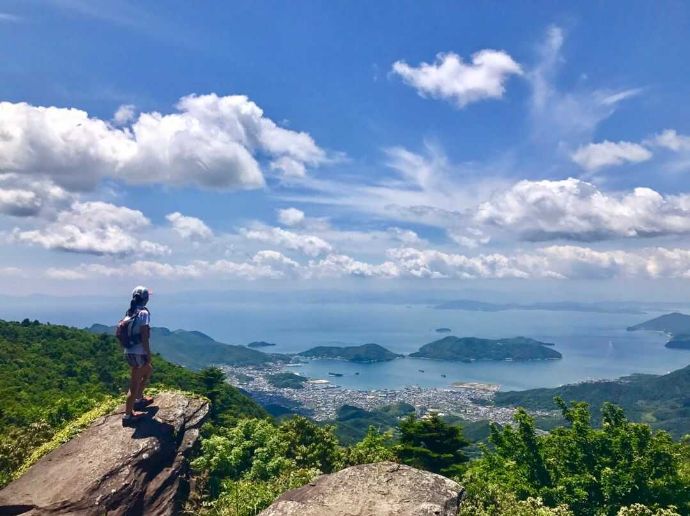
675	325
366	353
468	349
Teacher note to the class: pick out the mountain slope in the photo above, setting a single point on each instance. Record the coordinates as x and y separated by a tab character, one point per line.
196	350
673	324
662	401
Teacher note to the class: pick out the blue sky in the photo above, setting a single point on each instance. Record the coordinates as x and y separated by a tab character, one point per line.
344	144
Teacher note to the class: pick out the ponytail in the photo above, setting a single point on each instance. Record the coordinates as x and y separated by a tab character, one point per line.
133	304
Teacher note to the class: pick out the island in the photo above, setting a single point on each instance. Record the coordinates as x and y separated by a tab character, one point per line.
286	380
366	353
443	330
675	325
260	344
469	349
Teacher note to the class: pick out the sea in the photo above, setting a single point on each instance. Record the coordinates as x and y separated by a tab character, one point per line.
594	345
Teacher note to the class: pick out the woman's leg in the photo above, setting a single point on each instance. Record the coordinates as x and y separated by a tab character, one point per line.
146	371
134	383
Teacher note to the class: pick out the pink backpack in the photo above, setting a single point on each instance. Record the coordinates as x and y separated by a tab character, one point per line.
124	331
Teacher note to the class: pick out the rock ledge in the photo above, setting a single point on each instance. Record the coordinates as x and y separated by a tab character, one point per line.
380	489
115	470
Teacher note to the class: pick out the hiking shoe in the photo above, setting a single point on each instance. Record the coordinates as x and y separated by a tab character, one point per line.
142	403
131	419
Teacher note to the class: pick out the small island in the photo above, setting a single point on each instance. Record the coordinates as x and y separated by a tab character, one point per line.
366	353
468	349
675	325
286	380
443	330
260	344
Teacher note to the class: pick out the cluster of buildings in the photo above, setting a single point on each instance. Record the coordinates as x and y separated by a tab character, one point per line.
320	398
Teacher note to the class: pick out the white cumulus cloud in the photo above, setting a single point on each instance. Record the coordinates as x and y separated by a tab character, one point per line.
450	78
211	141
27	197
670	139
95	228
290	217
310	245
595	156
191	228
576	210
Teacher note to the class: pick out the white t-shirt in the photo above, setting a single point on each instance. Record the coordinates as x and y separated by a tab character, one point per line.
143	319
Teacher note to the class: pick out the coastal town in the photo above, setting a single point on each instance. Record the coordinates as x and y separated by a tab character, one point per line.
320	398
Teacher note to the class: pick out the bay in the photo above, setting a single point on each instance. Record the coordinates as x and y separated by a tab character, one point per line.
594	345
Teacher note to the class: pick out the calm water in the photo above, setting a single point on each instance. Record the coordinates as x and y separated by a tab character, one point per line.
593	345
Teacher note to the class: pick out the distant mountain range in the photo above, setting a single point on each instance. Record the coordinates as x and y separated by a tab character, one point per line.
196	350
564	306
366	353
467	349
676	325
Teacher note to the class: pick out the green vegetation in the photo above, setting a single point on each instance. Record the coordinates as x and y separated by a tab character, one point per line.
467	349
661	401
365	353
286	380
197	350
673	324
580	469
51	376
351	423
55	380
432	444
244	468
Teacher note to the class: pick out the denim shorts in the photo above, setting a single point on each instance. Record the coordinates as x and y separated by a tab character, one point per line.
136	360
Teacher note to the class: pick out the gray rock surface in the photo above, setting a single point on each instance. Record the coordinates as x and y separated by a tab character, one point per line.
380	489
115	470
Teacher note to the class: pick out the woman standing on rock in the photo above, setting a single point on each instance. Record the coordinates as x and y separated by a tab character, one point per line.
134	332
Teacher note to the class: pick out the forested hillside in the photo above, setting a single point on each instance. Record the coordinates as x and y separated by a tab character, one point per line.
49	375
662	401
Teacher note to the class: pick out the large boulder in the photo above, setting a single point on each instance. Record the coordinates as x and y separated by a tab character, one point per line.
380	489
113	469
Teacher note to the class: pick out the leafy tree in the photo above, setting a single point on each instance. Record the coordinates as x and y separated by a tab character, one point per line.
374	447
590	470
246	466
432	444
311	445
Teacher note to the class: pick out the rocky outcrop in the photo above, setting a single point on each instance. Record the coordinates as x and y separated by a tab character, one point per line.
380	489
113	469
